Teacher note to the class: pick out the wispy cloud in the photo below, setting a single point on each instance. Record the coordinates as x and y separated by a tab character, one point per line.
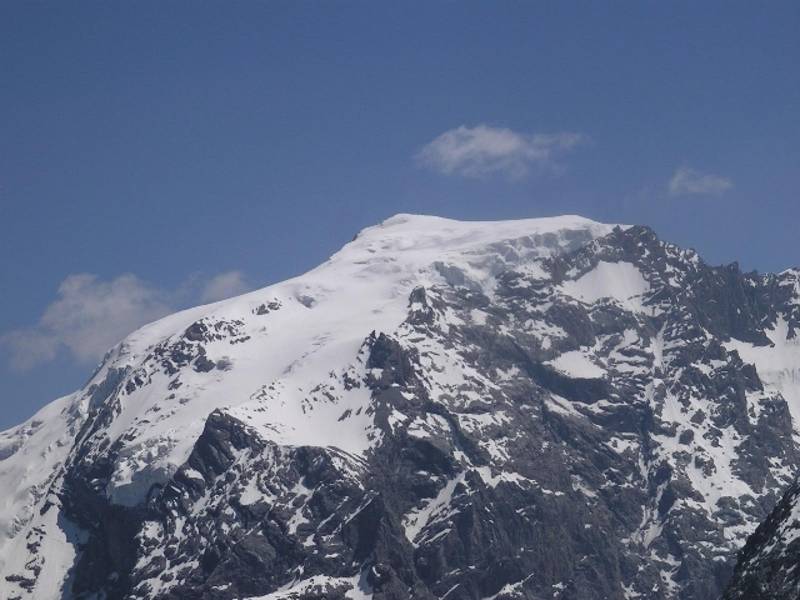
224	285
89	315
691	182
483	150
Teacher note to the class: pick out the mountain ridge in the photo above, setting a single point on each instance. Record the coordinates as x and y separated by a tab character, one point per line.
430	372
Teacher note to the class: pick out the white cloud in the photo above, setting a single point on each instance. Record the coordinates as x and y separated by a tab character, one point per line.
483	150
224	285
29	347
686	181
89	315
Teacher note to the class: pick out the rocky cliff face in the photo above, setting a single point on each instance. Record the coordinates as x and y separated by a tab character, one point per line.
767	568
550	408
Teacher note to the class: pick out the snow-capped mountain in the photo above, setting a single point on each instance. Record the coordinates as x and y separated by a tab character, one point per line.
544	408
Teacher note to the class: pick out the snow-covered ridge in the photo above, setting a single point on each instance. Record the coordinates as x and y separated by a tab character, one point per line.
400	248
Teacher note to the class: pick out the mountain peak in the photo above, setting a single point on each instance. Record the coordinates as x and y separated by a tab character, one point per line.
429	227
418	241
345	432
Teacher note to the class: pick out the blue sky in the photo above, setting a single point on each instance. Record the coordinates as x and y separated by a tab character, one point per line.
154	155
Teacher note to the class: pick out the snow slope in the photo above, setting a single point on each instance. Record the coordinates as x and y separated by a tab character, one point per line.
620	282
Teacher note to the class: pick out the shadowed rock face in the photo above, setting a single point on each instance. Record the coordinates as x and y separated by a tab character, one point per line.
580	427
767	567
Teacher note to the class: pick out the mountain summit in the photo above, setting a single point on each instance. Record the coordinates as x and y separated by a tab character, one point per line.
543	408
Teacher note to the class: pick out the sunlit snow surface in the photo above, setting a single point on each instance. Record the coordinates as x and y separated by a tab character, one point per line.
576	363
620	282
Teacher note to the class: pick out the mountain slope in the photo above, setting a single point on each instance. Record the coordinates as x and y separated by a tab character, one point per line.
548	408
